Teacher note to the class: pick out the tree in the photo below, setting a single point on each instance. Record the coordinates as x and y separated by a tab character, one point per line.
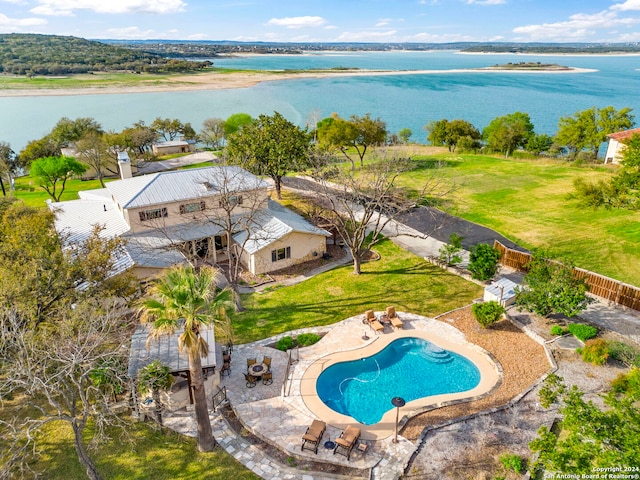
404	135
357	132
551	287
155	377
450	252
359	207
271	146
141	138
591	437
9	166
66	132
212	132
53	172
588	129
483	262
167	128
626	184
184	297
51	368
35	149
507	133
235	122
40	269
539	143
444	132
93	151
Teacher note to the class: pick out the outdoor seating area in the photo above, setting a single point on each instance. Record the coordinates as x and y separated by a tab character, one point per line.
387	318
258	371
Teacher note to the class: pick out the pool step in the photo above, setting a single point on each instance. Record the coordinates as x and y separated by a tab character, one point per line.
436	354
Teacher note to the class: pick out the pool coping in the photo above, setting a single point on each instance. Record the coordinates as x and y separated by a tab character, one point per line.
490	379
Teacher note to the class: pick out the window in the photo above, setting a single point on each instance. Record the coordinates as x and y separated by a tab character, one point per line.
231	201
280	254
151	214
192	207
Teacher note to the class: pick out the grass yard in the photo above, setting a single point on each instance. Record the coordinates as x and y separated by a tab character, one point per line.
399	278
148	453
529	202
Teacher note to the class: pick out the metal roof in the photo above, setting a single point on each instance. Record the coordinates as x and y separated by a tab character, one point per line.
179	185
273	224
165	349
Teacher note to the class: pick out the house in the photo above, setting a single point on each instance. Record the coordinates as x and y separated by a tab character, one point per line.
206	214
173	146
616	144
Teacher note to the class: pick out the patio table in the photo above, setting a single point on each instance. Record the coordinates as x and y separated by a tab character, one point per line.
257	369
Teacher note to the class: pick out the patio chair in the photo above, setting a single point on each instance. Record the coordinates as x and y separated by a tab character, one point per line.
226	357
267	378
392	316
313	436
346	441
226	369
267	361
251	361
251	380
370	318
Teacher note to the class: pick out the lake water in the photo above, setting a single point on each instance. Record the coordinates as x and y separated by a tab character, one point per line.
402	101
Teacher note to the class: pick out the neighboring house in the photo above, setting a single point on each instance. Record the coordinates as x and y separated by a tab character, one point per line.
616	144
173	146
168	217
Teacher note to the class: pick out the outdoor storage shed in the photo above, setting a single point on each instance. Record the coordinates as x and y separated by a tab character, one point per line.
501	291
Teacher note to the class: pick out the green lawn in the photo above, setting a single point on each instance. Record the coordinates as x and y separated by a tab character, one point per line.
399	278
528	201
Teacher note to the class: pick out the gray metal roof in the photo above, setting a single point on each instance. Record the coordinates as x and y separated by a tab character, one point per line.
273	224
165	349
166	187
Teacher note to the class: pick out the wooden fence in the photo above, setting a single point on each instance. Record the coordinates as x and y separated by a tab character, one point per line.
604	287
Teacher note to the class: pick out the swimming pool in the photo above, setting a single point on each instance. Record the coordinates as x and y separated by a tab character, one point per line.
409	367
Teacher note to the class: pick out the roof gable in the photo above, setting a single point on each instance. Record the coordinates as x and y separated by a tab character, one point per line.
624	135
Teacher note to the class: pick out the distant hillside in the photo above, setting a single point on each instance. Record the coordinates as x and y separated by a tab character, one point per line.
30	54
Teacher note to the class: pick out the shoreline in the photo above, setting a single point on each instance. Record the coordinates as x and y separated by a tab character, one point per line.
217	81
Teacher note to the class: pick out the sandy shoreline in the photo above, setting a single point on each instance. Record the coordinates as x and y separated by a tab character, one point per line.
217	81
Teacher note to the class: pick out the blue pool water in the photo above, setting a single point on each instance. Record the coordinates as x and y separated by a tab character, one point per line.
410	368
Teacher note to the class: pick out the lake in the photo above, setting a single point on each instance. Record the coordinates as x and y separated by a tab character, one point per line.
402	101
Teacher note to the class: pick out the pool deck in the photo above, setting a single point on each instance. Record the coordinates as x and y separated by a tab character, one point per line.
281	420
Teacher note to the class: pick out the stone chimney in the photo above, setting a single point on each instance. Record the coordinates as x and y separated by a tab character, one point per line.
125	165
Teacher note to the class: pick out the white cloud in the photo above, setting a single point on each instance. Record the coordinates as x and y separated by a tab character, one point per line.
133	33
198	36
579	26
486	2
67	7
628	5
298	22
383	22
9	24
367	36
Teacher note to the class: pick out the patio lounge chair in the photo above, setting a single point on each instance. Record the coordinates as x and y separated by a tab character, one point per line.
313	436
392	316
370	318
267	378
267	361
251	380
346	441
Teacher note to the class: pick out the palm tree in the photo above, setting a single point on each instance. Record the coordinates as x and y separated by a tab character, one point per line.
186	297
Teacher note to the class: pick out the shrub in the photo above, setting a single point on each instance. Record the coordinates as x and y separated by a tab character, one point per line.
483	262
450	252
487	313
285	343
628	382
582	331
512	462
306	339
557	330
595	351
624	353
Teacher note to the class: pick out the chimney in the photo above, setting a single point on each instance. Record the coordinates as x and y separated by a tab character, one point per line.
125	165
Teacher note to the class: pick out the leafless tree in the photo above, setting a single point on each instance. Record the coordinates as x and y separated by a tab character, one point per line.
60	370
362	206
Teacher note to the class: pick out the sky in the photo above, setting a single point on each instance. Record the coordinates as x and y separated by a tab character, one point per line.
429	21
